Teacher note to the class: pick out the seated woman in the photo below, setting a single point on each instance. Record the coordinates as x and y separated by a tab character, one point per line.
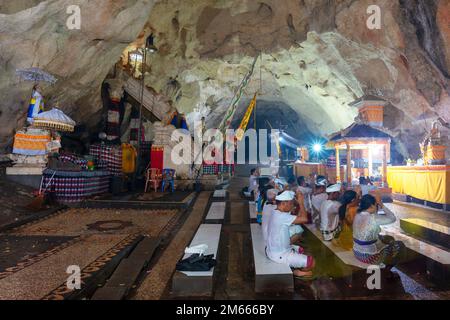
368	245
347	212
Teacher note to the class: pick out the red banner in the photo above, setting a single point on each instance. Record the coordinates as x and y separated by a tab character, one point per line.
157	157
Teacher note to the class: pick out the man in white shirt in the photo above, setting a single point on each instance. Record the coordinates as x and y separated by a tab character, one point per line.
319	196
295	231
329	213
253	180
279	248
365	186
267	211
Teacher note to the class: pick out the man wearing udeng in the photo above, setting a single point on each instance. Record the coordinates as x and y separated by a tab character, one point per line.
279	248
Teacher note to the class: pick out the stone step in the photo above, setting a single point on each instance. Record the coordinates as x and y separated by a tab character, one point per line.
128	271
216	211
429	231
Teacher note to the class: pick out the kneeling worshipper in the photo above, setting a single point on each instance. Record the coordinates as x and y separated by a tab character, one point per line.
318	197
253	181
369	246
347	213
269	206
329	213
279	248
295	231
36	104
307	193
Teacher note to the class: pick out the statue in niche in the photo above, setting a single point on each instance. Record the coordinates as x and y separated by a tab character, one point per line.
434	139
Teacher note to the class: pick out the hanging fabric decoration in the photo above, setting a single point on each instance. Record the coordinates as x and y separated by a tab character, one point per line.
246	119
113	126
32	142
157	157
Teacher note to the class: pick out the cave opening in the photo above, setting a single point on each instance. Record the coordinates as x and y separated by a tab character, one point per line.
268	117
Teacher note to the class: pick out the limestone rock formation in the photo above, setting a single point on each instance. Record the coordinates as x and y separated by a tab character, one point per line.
316	57
34	33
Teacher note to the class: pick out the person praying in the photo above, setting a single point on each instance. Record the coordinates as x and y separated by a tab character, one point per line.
253	181
347	213
368	245
319	196
268	208
306	191
329	213
279	248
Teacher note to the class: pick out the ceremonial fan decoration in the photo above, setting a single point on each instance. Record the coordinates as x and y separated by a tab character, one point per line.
54	119
36	75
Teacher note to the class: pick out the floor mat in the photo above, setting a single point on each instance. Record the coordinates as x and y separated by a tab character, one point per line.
76	222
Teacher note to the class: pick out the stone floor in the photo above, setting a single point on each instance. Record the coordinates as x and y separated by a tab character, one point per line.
235	271
77	222
34	257
14	199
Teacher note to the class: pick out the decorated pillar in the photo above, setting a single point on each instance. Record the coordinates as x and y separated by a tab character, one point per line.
385	165
370	149
349	164
338	166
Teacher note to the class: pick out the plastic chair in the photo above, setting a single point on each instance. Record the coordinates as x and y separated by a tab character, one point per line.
168	177
153	176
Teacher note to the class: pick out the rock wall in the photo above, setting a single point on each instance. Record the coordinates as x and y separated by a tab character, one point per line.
35	34
316	57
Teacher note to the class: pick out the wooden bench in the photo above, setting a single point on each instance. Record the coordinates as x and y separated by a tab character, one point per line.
426	230
216	212
198	283
269	276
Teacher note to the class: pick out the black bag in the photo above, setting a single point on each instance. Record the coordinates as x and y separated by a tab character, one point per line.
197	262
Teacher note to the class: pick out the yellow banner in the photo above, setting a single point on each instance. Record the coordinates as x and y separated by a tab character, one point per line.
246	119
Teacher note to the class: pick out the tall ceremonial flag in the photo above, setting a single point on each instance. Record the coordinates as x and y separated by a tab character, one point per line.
228	118
246	119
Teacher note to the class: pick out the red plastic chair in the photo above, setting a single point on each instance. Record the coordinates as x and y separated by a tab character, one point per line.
154	177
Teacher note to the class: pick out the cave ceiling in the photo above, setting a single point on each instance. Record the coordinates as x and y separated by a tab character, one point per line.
313	56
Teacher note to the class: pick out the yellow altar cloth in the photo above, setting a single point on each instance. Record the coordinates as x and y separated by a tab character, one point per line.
430	183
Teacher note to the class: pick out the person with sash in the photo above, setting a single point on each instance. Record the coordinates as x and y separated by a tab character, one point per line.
368	245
